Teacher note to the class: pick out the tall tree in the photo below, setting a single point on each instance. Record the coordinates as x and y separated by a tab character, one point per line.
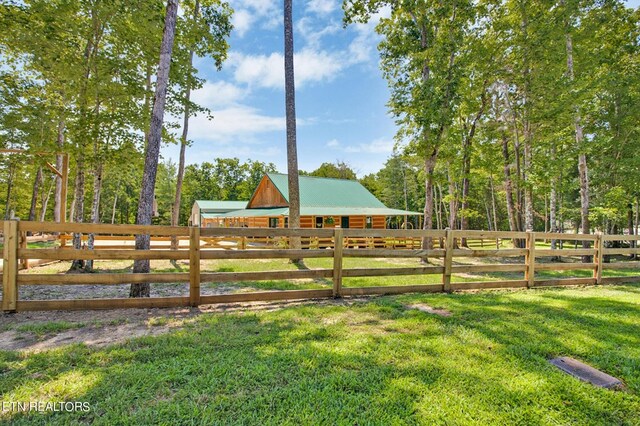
204	33
175	212
290	107
583	168
152	152
421	54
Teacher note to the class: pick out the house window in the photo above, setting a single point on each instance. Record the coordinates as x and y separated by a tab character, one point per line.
319	221
273	222
286	222
368	223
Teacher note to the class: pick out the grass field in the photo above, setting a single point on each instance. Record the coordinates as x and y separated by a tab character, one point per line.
372	362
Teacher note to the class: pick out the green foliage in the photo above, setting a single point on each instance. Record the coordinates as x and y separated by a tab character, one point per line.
339	170
397	184
612	211
467	78
85	67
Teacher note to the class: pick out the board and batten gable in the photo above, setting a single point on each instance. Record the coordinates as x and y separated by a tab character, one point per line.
267	195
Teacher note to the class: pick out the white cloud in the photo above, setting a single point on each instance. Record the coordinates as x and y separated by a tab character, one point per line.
242	20
218	94
312	31
377	146
322	7
262	7
235	123
203	152
268	70
258	70
248	13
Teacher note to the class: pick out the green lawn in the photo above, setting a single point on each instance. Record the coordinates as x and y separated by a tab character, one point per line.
373	362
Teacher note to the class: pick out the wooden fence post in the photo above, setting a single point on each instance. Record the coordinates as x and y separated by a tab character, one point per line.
530	259
10	266
598	258
338	244
448	260
194	266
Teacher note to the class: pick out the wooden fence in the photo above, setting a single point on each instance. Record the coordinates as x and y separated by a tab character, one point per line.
261	243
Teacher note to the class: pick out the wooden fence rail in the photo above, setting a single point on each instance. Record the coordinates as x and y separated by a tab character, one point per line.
337	244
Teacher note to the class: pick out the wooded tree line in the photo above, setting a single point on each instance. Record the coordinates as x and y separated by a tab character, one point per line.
514	114
79	76
511	115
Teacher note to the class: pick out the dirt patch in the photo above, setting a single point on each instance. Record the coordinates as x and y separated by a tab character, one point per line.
430	310
98	291
89	327
109	327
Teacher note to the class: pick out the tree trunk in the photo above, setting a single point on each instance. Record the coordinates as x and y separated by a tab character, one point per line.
453	204
553	201
583	171
113	210
59	164
429	167
438	207
95	210
45	200
517	210
152	152
528	186
290	100
7	206
466	170
90	50
584	195
493	203
34	196
453	200
466	161
78	209
508	185
508	188
488	213
175	213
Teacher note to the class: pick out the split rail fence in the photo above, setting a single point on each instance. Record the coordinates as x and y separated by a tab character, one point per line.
266	243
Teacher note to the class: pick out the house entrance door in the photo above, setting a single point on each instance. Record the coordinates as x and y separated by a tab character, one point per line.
344	222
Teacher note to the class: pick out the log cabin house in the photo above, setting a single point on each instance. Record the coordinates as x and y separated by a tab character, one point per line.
324	203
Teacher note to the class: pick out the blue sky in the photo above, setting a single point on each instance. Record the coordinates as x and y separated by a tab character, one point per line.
340	92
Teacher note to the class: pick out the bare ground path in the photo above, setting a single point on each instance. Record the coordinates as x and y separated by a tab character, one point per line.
38	331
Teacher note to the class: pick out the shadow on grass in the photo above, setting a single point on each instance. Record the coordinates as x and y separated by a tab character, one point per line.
374	363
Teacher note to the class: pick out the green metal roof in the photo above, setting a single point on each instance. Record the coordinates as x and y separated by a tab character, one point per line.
354	211
278	211
325	192
211	206
320	211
